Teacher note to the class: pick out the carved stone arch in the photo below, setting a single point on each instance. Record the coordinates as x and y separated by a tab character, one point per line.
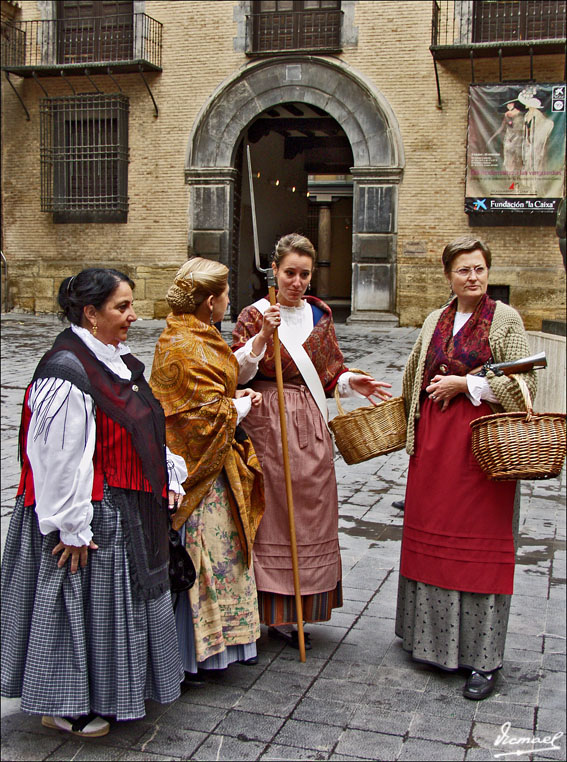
371	128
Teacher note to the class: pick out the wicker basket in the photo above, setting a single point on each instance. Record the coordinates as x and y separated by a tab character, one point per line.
520	445
369	431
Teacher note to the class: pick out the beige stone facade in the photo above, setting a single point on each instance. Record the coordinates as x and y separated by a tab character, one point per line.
203	49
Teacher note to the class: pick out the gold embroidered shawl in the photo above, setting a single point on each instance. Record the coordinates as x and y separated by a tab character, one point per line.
194	376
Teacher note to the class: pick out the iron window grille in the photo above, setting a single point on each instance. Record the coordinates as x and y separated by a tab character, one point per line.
279	26
84	157
313	224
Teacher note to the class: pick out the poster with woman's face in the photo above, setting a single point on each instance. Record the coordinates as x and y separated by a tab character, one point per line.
515	148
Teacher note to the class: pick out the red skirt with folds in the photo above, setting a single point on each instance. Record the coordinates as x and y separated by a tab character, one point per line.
457	524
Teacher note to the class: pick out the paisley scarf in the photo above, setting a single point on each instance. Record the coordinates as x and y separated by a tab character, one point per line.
194	376
469	348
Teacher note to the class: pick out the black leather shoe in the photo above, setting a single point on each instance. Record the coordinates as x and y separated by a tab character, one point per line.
250	661
194	678
399	504
291	638
479	685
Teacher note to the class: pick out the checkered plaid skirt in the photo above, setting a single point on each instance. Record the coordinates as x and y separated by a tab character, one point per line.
76	643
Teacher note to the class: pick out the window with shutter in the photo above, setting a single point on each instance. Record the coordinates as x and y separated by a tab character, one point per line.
288	25
95	30
511	20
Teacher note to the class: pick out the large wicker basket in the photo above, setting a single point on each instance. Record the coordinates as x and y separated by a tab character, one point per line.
370	431
520	445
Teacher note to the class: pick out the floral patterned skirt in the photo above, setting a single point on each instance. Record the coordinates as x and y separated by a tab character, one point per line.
224	604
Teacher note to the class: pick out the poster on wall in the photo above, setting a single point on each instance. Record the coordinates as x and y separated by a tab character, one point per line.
515	148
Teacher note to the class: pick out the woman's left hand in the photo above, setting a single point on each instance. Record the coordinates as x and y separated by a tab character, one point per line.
79	554
255	397
442	389
369	387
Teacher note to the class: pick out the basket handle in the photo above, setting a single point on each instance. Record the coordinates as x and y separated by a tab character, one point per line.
525	394
340	408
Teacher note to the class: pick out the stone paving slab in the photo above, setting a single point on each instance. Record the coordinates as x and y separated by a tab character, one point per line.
358	696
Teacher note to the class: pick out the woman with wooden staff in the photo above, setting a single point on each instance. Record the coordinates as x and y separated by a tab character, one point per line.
460	529
312	364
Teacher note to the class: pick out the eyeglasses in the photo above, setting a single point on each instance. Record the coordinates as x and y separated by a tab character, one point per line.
464	272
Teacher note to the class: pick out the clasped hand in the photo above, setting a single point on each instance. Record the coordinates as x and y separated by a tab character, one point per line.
255	397
369	387
174	499
442	389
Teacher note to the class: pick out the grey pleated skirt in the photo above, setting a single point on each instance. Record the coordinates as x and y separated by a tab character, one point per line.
76	643
453	629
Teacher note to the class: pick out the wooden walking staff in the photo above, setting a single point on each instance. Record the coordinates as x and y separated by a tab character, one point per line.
268	272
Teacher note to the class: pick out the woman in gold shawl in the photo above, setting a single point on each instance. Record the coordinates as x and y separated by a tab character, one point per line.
194	376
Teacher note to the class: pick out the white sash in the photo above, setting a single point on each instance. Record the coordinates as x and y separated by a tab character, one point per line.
301	359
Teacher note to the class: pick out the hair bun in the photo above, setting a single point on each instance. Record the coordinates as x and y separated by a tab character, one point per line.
179	299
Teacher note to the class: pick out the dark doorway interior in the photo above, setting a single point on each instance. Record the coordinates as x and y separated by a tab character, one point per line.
301	159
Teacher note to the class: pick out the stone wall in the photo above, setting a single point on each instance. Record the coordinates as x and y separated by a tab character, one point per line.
152	245
550	397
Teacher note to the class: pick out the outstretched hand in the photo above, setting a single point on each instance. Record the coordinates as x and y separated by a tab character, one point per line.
369	387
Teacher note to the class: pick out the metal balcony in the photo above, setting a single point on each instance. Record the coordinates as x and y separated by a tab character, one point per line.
486	28
121	43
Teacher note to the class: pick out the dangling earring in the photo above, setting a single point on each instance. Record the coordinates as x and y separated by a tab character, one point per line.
309	286
94	329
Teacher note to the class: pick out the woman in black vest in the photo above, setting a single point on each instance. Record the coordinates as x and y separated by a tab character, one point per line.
87	625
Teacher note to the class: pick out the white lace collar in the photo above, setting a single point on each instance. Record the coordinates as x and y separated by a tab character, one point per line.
293	309
108	354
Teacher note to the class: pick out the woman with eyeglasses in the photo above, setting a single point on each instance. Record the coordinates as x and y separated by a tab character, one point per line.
460	529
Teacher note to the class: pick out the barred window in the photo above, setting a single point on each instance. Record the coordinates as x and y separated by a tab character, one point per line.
84	157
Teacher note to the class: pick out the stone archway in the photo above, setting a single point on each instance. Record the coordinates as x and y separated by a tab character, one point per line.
372	130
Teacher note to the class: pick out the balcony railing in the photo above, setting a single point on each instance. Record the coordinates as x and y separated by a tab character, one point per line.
124	42
292	31
486	26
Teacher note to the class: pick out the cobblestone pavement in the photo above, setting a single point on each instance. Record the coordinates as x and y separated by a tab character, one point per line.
359	695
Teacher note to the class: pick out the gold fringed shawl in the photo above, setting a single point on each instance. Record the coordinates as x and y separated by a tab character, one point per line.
194	376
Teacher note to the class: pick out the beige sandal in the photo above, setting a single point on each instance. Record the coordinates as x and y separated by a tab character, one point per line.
87	726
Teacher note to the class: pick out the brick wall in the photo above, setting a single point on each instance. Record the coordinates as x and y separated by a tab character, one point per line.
198	54
393	52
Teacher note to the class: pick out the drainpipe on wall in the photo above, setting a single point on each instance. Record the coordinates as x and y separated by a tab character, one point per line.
6	289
